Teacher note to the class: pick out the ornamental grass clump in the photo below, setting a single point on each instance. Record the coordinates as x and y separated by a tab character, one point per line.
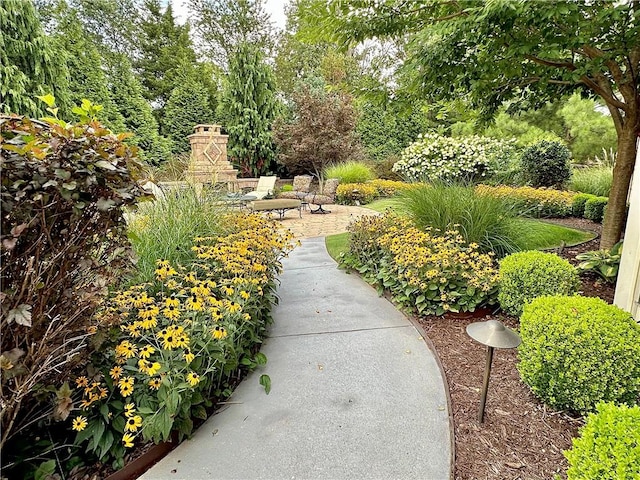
578	351
528	275
179	338
350	172
486	220
608	447
165	228
431	272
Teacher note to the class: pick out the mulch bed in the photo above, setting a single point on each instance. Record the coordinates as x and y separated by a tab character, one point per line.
520	438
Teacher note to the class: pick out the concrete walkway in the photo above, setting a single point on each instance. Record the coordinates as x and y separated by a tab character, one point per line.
356	393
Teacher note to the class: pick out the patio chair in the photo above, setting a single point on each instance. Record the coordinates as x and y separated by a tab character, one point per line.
301	187
327	196
265	187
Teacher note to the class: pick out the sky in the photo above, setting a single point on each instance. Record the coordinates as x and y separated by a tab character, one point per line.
273	7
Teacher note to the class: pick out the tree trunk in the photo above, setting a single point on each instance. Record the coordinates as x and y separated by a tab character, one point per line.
616	213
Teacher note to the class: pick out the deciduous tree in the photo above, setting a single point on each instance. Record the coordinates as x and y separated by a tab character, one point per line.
322	132
523	52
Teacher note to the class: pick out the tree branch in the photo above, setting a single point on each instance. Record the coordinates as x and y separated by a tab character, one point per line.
551	63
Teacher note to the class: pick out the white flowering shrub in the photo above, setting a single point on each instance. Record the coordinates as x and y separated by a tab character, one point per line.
435	157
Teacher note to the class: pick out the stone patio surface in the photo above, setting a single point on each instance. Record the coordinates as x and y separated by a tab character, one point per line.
356	393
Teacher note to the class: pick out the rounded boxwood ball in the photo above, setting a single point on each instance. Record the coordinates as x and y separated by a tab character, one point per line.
528	275
578	351
609	445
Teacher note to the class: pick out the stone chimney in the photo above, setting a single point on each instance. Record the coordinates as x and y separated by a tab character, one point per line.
209	162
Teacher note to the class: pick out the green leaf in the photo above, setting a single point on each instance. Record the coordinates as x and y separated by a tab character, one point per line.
49	99
265	381
44	470
261	359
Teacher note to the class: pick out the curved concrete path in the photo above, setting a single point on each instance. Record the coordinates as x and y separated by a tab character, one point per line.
356	393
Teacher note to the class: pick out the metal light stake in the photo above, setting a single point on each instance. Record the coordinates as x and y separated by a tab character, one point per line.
493	334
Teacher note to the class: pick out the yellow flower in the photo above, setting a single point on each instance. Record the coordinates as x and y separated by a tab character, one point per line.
82	381
126	386
193	379
219	332
155	383
133	423
193	303
127	439
188	356
146	351
115	372
126	349
171	312
79	423
245	295
129	410
153	368
172	301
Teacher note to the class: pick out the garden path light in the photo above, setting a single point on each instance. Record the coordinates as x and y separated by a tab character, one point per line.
493	334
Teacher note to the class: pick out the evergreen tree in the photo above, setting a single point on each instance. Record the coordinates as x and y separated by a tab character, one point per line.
28	63
126	93
248	109
86	75
164	47
188	106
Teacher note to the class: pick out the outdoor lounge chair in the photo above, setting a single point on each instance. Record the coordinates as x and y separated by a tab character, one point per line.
326	197
265	187
301	187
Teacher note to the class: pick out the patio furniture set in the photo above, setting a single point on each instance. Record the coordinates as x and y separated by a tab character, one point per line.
297	199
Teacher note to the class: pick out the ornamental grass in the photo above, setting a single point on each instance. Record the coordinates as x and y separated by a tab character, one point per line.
178	338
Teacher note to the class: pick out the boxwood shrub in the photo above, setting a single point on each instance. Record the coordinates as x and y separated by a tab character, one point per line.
531	274
594	208
578	351
577	207
609	445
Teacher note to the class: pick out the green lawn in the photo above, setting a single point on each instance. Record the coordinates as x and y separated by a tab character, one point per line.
540	235
382	204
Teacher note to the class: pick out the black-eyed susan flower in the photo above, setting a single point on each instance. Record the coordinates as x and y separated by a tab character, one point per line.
193	379
82	381
155	383
194	303
126	386
153	368
171	312
115	373
219	332
126	349
146	351
133	423
79	423
129	410
188	356
128	439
